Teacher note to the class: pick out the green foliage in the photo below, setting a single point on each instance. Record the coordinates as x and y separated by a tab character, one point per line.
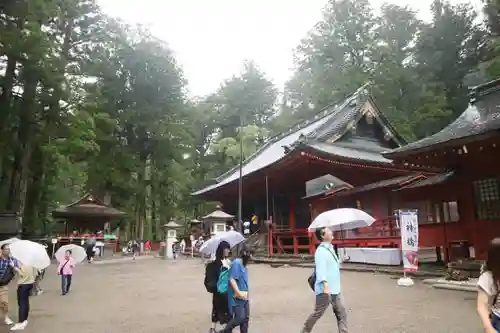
492	62
238	113
102	109
416	69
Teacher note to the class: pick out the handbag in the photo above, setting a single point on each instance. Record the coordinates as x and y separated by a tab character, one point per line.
62	267
311	280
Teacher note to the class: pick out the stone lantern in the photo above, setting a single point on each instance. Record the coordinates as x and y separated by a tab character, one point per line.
170	238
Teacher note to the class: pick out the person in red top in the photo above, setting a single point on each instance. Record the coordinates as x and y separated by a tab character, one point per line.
147	246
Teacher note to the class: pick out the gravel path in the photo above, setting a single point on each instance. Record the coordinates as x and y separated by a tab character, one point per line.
155	296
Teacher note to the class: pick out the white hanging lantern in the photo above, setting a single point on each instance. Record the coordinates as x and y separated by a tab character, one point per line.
369	117
352	126
387	136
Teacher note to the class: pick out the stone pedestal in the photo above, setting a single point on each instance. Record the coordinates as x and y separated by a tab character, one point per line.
170	238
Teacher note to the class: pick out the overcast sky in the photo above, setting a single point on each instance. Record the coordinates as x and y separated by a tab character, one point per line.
211	39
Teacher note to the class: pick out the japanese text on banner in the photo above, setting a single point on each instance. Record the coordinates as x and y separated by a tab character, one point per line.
408	221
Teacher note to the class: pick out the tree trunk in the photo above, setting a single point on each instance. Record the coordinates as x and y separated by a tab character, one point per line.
6	94
20	172
5	181
34	193
107	202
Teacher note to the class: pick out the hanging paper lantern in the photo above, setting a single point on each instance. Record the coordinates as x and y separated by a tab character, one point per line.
387	136
369	117
352	126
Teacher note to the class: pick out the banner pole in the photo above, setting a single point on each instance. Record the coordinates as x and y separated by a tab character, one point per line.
408	225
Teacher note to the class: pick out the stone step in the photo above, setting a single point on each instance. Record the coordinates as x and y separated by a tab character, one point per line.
455	287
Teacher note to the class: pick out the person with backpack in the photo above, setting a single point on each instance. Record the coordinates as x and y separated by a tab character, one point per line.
7	273
239	306
326	282
217	283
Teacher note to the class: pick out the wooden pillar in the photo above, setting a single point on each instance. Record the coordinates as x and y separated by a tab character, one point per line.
468	218
377	206
312	243
270	248
291	209
312	236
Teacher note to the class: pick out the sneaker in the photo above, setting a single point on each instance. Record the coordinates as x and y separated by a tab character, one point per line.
8	321
19	326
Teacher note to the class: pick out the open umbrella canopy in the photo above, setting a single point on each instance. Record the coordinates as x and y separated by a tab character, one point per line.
8	241
30	253
77	252
342	219
232	237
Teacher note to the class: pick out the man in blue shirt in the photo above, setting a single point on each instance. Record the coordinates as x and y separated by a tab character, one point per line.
238	294
6	265
327	285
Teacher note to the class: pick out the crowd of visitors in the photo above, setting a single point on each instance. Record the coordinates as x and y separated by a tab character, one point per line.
27	276
28	280
228	283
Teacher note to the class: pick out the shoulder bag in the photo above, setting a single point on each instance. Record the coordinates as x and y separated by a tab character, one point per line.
311	280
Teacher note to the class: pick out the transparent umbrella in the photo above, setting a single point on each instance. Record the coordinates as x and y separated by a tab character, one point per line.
77	252
232	237
30	253
342	219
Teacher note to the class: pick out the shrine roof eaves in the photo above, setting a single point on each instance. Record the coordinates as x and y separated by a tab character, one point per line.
332	122
474	121
87	205
433	180
344	151
386	183
96	211
277	147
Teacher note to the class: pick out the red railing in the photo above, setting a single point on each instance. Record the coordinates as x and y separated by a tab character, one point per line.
383	233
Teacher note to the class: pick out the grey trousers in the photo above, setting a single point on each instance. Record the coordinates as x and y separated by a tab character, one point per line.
322	303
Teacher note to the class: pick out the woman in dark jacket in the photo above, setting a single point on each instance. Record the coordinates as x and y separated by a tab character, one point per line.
220	309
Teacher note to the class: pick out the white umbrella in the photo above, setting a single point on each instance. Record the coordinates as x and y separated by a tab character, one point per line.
342	219
232	237
30	253
77	252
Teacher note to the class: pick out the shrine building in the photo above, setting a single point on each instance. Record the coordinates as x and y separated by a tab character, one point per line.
464	201
349	155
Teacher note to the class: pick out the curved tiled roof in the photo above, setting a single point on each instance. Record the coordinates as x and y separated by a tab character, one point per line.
475	120
333	121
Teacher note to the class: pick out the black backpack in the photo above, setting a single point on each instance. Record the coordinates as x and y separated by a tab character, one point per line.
7	276
211	277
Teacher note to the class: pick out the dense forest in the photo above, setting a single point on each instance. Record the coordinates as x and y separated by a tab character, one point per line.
88	103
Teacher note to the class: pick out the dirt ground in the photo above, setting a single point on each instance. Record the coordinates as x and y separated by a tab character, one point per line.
155	296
